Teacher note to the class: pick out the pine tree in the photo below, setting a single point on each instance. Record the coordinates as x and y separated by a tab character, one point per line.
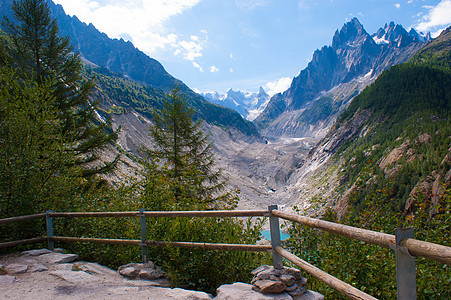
38	53
183	156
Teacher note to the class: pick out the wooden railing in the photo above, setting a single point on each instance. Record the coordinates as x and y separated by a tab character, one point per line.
402	242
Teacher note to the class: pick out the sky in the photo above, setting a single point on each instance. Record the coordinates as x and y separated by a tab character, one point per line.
215	45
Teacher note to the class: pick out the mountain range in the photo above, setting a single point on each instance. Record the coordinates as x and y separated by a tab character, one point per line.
131	84
123	59
249	105
353	61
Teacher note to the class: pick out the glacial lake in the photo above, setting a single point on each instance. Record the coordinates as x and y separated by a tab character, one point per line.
267	235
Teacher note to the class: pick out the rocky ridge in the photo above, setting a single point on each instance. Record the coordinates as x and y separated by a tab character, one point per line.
353	55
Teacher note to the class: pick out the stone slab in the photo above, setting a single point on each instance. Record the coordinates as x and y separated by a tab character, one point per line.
7	279
186	294
58	258
78	277
241	291
36	252
14	269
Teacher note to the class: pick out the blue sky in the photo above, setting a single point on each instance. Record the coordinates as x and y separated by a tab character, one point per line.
214	45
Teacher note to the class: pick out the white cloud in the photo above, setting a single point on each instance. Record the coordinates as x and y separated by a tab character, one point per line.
251	4
397	5
142	20
197	66
438	18
214	69
277	86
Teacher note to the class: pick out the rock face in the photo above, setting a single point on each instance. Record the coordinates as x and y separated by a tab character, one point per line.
354	55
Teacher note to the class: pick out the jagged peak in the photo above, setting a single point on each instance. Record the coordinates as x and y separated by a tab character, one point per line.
350	31
396	34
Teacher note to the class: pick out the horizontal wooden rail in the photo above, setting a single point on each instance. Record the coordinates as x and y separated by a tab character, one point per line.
205	246
207	213
416	248
22	218
21	242
328	279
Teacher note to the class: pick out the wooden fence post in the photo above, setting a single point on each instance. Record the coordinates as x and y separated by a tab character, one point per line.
405	266
49	222
142	218
275	237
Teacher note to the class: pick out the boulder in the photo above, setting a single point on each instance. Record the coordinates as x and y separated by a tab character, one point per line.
269	286
146	271
57	258
309	295
14	269
240	291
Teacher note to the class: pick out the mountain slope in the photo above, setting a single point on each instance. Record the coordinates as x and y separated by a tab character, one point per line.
354	56
385	164
123	58
394	135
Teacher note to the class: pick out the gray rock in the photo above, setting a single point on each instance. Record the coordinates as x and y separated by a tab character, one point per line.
58	258
298	291
16	269
66	267
186	294
302	282
291	271
289	280
129	272
260	269
36	252
78	277
151	274
266	274
241	291
7	279
93	268
291	288
269	286
146	271
309	295
38	268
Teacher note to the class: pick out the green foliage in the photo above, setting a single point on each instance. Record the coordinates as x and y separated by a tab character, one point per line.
319	110
181	176
33	159
186	156
409	120
42	58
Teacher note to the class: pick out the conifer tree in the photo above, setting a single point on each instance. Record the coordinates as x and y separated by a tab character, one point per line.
185	155
37	52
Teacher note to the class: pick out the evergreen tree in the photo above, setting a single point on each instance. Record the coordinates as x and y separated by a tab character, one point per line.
184	156
38	53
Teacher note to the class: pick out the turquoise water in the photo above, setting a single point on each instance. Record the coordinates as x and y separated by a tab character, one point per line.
267	235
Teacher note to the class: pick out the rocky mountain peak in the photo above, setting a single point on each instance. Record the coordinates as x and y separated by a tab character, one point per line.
397	36
261	93
354	55
350	33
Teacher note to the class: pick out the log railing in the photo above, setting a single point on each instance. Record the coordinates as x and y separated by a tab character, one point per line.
402	242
